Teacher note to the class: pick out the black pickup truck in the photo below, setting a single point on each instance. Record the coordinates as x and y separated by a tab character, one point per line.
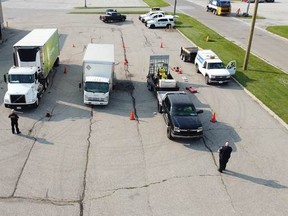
180	116
113	17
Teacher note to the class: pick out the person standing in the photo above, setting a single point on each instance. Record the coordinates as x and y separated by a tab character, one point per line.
14	121
224	155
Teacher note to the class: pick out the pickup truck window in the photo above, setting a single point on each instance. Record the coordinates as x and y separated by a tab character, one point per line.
184	110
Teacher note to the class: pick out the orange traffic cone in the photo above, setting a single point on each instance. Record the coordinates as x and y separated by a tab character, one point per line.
132	117
161	45
213	118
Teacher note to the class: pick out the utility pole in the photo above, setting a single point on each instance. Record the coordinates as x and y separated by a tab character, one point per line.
85	5
250	36
175	3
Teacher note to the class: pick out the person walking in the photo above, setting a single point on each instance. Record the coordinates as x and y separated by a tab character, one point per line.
224	155
14	121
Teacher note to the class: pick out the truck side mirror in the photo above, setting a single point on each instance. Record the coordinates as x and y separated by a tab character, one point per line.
199	111
80	85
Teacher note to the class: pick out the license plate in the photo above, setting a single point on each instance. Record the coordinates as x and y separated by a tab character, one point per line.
18	107
220	82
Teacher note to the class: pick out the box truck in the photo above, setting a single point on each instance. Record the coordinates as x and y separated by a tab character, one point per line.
98	73
34	55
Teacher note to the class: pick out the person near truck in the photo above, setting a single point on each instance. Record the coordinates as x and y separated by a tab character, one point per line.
14	121
162	73
224	155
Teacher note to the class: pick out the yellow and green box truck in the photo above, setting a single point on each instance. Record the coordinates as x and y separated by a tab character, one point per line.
35	56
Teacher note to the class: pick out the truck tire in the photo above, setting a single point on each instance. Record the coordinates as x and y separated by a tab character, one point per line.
169	133
36	104
56	63
159	107
207	81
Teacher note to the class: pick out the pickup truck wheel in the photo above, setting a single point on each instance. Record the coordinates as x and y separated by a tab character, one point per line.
207	81
169	135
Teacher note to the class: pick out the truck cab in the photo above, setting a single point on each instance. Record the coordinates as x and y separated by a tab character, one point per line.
219	7
212	68
24	88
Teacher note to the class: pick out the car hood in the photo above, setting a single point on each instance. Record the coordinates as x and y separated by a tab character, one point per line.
186	122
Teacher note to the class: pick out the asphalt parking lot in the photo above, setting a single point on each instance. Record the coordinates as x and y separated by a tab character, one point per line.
95	161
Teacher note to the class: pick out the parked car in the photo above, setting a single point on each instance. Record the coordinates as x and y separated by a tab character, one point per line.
110	10
153	16
113	17
161	22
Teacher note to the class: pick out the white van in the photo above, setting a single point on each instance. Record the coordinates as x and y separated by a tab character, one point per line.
161	22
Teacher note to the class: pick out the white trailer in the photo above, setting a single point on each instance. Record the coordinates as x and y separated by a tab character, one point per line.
98	73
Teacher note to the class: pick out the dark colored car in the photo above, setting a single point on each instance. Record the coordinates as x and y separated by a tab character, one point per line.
181	117
113	17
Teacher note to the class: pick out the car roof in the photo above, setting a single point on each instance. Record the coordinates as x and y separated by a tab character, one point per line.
179	99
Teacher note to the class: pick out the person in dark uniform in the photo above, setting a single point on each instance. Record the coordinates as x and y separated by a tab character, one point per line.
224	155
14	121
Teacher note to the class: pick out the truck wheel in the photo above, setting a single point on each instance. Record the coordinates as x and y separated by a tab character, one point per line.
207	81
36	104
169	135
56	63
159	107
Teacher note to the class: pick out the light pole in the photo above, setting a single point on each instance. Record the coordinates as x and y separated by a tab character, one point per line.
246	59
85	5
175	3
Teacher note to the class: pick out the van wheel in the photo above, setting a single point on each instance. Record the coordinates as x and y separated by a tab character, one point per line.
169	135
207	81
197	68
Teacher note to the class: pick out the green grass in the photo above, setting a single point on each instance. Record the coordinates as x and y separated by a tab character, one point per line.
267	83
281	30
156	3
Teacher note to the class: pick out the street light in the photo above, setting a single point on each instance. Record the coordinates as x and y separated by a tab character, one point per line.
85	5
175	3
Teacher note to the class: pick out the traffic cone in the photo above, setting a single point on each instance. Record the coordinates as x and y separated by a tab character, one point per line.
132	117
65	70
180	70
213	118
161	45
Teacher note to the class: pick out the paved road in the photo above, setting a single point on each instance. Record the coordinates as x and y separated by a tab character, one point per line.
268	46
95	161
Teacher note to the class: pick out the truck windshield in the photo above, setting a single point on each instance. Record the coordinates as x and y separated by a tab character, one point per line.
217	65
184	110
224	3
17	78
96	87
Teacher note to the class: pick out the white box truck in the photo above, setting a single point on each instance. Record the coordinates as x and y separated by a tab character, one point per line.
34	55
98	73
212	68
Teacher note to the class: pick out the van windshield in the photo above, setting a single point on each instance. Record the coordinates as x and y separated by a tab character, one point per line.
96	87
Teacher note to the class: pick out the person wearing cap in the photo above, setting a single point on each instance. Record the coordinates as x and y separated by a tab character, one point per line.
224	155
14	121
